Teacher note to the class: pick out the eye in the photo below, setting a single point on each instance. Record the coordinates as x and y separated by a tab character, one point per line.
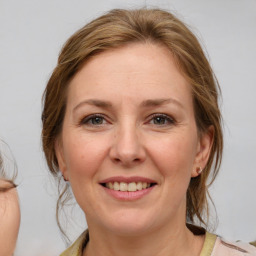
161	120
94	120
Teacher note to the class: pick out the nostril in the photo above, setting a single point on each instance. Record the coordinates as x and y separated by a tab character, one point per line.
117	160
127	161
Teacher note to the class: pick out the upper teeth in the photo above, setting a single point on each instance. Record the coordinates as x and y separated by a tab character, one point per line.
123	186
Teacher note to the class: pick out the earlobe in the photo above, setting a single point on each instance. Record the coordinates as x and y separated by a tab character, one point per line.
203	151
60	157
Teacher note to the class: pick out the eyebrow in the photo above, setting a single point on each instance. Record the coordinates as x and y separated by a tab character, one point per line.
94	102
160	102
145	103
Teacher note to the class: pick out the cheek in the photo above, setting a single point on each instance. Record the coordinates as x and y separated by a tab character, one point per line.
174	155
83	155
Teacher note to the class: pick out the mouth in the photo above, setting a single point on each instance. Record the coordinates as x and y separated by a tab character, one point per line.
128	186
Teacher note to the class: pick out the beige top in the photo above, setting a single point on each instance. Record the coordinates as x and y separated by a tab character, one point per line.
213	246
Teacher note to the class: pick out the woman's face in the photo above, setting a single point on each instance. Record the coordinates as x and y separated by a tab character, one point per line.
9	219
129	144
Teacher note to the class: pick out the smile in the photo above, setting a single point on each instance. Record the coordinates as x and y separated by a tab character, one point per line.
128	188
131	186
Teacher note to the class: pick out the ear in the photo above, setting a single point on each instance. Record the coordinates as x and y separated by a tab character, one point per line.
60	157
203	151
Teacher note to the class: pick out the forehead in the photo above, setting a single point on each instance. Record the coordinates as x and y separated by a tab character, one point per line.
136	70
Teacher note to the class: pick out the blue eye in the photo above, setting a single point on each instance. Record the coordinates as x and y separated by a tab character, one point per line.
93	120
161	119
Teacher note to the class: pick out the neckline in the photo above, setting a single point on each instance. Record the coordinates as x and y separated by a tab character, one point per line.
209	243
77	248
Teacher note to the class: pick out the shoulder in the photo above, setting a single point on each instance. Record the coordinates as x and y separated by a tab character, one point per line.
224	247
217	246
76	249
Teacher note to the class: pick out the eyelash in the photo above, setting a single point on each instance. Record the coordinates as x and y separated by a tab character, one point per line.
88	120
167	118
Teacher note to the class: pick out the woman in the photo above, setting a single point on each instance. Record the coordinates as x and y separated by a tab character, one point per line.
9	205
131	120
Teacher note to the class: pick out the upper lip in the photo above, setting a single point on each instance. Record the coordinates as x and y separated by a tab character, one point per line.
128	179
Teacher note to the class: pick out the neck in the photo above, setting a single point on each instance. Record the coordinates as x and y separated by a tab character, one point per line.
177	241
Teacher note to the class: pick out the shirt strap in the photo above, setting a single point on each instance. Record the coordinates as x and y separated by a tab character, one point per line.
209	243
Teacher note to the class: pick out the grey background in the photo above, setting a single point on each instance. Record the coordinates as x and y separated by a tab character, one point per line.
31	35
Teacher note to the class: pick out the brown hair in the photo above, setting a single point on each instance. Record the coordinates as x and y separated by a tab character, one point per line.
116	29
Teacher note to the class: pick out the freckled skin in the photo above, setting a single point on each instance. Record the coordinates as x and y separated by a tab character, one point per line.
129	140
9	220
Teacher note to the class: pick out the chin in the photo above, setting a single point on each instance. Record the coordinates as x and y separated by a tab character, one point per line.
129	224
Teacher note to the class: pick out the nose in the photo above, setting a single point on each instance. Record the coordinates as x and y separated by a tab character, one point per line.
127	148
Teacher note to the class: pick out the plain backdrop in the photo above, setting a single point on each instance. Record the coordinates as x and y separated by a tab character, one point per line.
31	35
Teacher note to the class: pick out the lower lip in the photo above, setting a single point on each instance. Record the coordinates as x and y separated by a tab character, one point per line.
128	196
